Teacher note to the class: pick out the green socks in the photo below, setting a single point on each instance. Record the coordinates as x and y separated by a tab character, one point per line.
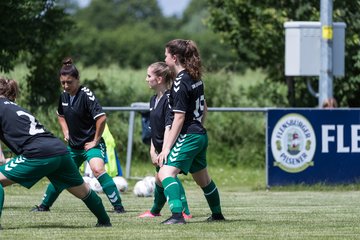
50	196
183	197
212	197
172	193
110	189
94	203
159	199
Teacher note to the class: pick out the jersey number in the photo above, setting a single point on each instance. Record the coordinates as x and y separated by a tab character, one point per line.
33	130
199	108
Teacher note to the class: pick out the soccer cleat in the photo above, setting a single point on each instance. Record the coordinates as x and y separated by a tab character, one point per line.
176	218
99	224
40	208
216	217
186	216
119	209
149	214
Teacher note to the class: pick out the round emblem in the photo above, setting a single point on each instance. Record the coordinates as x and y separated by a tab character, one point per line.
293	143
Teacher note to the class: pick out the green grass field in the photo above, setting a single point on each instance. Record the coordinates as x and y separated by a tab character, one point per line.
252	212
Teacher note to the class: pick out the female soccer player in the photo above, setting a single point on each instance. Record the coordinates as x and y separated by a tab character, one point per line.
159	77
82	121
185	146
39	154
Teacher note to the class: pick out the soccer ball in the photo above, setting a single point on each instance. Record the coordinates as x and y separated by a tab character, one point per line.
95	185
121	183
141	189
150	183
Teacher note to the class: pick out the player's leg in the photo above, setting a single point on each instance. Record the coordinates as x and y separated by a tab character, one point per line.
3	182
93	202
67	176
201	176
51	194
159	199
96	159
107	183
186	210
172	192
211	193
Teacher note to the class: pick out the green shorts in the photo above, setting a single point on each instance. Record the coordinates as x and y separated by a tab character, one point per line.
60	170
80	156
189	153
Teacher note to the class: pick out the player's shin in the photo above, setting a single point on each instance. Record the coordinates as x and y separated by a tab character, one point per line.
94	203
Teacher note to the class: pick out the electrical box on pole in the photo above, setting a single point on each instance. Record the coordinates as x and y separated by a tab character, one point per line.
303	45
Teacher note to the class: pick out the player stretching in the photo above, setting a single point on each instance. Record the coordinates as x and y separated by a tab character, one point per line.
39	154
82	121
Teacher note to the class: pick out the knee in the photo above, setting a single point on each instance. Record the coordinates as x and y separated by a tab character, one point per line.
97	171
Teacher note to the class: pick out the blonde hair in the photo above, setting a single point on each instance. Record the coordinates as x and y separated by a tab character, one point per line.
160	69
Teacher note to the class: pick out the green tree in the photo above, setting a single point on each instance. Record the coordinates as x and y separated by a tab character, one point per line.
34	28
255	30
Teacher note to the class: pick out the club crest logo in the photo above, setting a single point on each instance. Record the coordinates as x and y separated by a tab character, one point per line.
293	143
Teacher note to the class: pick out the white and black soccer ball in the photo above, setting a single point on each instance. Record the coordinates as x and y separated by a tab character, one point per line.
141	189
121	183
95	185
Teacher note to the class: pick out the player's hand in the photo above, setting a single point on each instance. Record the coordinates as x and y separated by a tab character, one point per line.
153	156
162	157
90	145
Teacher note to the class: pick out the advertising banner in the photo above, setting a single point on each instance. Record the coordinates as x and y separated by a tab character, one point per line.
309	146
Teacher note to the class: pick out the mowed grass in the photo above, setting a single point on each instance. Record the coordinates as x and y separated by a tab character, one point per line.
251	213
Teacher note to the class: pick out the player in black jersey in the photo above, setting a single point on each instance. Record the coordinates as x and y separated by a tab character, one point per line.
82	121
159	77
185	146
38	154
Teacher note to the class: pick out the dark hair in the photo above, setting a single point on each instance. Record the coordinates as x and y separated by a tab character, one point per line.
9	88
160	69
68	68
188	55
330	103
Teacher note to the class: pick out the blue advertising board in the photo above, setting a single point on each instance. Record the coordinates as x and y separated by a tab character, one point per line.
312	146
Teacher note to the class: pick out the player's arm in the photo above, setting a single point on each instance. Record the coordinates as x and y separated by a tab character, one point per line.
153	154
100	126
204	114
64	127
179	118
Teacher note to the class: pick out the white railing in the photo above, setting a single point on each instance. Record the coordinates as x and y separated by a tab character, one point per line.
142	106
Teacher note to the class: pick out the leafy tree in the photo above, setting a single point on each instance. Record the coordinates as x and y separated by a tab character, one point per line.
35	28
255	30
110	14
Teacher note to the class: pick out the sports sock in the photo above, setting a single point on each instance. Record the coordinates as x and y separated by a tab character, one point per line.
212	197
172	193
50	196
2	196
159	199
110	189
94	203
183	197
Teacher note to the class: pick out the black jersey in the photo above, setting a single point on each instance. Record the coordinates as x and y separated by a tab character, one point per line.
80	115
160	117
187	96
24	135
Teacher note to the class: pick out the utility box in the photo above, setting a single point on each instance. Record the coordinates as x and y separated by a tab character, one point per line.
302	48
